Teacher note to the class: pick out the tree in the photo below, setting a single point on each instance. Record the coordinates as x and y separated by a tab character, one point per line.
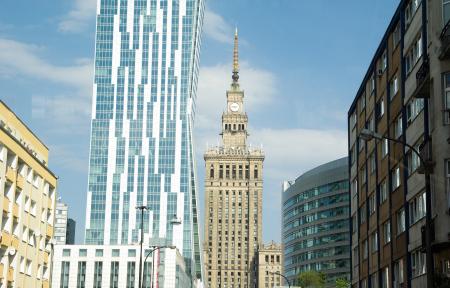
342	283
311	279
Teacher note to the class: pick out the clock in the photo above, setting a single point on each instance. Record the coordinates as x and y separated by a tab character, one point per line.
234	107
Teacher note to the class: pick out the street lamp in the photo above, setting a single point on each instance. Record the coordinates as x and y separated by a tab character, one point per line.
142	208
285	278
426	166
154	248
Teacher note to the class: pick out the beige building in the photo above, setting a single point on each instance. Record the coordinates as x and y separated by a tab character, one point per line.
233	188
270	266
28	202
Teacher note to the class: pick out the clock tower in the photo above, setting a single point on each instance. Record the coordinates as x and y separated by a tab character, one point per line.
234	119
233	197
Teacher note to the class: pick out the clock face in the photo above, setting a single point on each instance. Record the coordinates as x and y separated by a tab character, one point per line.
234	107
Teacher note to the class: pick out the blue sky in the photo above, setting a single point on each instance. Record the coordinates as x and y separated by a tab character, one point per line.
301	64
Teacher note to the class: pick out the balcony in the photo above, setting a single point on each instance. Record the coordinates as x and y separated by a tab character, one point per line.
49	231
5	205
10	276
16	210
20	181
423	80
15	242
445	42
10	174
5	239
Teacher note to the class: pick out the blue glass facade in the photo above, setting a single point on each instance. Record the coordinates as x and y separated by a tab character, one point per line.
316	222
146	66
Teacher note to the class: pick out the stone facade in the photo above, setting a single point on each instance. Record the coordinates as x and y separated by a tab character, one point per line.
233	198
270	265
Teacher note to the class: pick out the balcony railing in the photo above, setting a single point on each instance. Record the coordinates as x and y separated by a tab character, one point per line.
423	80
445	42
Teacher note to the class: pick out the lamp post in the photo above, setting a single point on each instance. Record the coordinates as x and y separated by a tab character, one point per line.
154	248
142	208
285	278
368	135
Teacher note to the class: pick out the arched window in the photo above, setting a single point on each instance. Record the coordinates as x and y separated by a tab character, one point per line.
211	171
255	172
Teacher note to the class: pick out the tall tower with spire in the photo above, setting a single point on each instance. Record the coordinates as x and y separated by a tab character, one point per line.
233	197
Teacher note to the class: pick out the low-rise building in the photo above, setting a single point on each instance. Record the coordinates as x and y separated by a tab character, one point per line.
270	265
64	226
117	266
27	200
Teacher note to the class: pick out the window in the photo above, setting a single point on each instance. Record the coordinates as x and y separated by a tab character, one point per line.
371	125
365	249
393	87
211	171
115	253
372	163
384	61
417	263
362	103
363	175
372	83
355	256
413	160
361	144
383	191
362	214
132	252
413	55
256	172
131	268
398	129
413	109
82	252
445	12
374	241
354	224
447	92
354	186
81	275
66	253
372	204
387	231
417	208
114	275
33	208
384	147
374	280
385	277
398	273
380	108
401	223
352	120
352	155
396	35
447	181
98	252
98	270
410	10
65	266
395	178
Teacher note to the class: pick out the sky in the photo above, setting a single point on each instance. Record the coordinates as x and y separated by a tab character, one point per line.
302	62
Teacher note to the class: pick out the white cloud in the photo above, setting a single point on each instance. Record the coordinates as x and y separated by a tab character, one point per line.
65	110
290	152
217	28
78	18
260	86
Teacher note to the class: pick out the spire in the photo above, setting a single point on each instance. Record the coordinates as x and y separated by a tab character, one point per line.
236	58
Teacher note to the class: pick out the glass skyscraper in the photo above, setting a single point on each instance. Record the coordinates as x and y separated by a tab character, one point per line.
141	151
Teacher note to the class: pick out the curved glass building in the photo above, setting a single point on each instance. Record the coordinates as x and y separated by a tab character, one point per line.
316	222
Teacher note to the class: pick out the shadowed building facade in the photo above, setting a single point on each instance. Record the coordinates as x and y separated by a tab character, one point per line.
233	196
